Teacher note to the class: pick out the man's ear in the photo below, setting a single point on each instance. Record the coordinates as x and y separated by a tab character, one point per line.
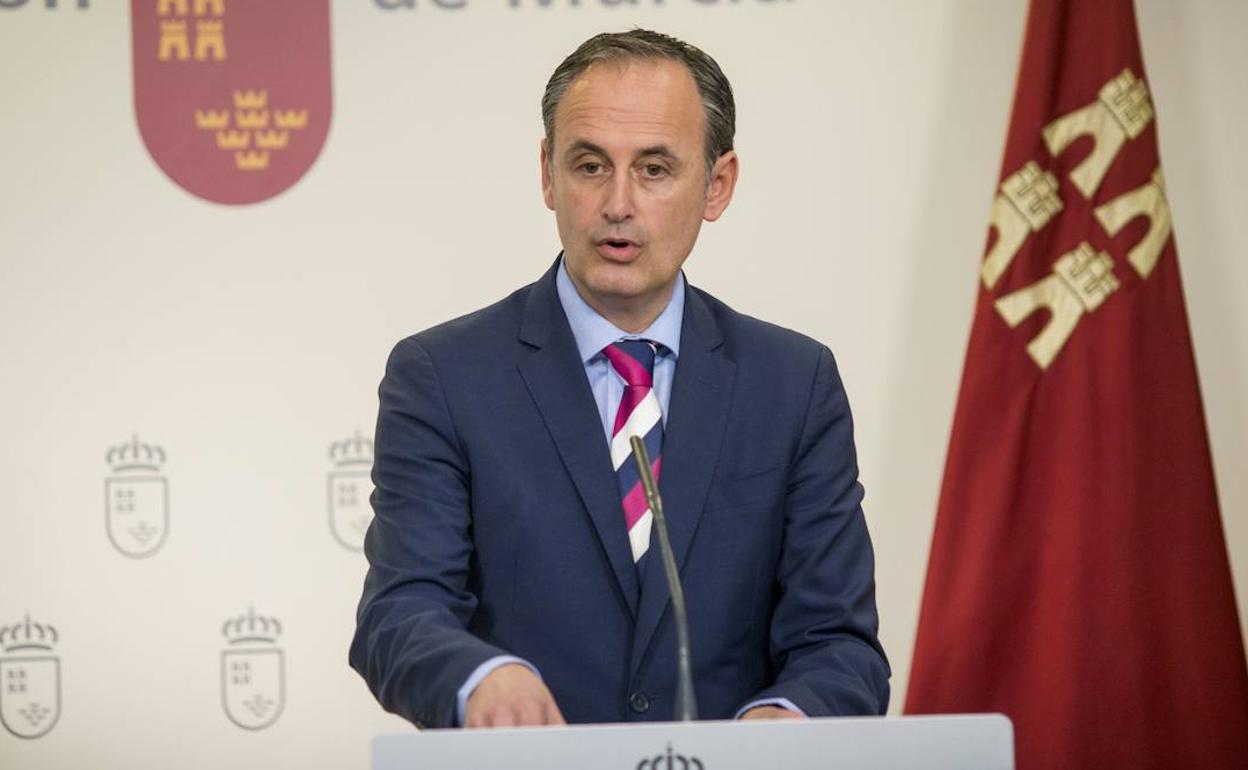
722	183
548	193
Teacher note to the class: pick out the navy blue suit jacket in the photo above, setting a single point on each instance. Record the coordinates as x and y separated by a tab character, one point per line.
498	527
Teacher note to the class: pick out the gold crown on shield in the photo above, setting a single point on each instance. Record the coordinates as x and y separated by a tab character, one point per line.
233	140
212	119
290	118
272	140
251	160
251	100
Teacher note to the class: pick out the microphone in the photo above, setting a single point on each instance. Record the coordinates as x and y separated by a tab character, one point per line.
686	702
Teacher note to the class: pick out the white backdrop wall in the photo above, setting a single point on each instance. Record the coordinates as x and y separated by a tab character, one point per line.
246	340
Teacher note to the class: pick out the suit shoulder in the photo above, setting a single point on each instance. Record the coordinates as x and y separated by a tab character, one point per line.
479	332
761	340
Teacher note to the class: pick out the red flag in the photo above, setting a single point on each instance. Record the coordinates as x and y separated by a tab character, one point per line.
1078	579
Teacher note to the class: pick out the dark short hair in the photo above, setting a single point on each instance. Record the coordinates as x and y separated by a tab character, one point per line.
713	87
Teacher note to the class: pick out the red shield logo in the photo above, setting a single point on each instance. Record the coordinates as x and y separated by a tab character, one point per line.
233	98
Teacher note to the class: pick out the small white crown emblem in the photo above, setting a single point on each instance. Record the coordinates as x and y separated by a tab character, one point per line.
27	635
251	628
136	456
356	450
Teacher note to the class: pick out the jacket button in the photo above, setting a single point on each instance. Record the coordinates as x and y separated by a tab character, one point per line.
639	703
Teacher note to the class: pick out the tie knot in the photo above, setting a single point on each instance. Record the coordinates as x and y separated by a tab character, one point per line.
633	359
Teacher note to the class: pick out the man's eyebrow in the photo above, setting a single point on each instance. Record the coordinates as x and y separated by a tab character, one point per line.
660	150
581	145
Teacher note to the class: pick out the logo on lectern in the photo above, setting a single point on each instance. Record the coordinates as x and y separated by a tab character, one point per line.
253	675
30	679
349	489
136	499
670	761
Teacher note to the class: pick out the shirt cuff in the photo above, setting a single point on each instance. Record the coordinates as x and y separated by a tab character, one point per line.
781	702
481	672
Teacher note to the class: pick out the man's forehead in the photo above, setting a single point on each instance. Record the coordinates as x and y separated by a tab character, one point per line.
651	73
654	101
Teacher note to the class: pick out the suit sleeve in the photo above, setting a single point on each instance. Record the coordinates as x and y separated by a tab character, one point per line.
823	639
411	641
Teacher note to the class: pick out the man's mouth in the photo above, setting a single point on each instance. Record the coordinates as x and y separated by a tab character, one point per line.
618	249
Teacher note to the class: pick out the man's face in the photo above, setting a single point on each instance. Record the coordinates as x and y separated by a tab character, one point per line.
628	183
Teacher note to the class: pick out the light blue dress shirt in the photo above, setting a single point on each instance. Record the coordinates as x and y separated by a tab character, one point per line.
592	333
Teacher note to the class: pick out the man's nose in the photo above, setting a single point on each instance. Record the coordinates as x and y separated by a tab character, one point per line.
618	205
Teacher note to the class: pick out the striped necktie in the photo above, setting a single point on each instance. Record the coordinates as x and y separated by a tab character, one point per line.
639	415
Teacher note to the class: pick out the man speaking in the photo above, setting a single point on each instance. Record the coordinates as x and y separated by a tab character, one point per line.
513	579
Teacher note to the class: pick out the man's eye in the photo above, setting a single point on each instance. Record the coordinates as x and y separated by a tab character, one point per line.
653	170
591	167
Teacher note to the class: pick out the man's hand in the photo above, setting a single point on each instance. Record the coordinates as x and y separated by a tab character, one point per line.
770	712
511	696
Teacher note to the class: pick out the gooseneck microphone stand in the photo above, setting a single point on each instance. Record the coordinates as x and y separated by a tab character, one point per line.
686	702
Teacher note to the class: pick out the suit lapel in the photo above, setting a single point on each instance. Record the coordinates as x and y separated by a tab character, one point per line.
698	416
555	378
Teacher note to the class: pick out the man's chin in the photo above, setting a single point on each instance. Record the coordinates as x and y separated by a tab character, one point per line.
618	285
610	279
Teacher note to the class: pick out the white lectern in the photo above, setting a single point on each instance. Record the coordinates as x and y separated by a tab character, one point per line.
972	742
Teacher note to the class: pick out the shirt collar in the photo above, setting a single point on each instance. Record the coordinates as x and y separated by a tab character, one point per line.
593	332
